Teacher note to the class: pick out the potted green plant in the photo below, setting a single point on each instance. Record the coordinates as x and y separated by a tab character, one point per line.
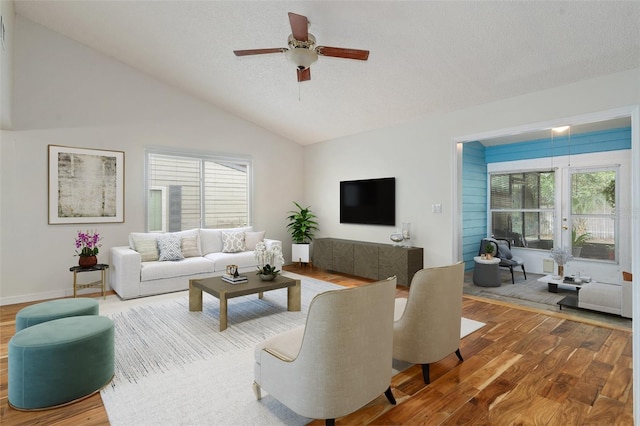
302	227
577	241
488	250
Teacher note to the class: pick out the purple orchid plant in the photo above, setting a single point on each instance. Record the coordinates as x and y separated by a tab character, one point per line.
88	243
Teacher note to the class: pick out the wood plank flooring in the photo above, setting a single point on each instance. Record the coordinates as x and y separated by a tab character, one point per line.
524	367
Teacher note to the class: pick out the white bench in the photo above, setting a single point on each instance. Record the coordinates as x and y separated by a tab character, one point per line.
604	297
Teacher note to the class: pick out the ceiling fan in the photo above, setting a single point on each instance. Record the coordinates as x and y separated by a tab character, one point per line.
302	50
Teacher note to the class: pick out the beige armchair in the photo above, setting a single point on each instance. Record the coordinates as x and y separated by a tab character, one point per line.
339	361
427	323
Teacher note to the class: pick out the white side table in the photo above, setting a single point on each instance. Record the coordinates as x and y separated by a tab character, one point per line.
486	272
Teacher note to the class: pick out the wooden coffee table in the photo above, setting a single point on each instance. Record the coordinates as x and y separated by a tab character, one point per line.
225	291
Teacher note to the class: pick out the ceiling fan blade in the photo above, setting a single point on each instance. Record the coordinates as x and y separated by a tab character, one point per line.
304	75
259	51
339	52
299	26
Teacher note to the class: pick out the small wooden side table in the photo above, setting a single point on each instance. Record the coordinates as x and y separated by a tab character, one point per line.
102	283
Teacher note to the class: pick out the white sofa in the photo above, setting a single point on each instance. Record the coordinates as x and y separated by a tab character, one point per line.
136	272
605	297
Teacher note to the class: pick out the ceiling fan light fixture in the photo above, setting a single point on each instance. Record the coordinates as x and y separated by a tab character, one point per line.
301	57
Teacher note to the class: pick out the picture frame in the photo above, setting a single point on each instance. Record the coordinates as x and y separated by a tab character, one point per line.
85	185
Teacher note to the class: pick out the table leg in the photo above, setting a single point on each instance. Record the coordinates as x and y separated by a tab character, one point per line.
293	297
553	288
260	295
223	310
75	283
195	298
104	284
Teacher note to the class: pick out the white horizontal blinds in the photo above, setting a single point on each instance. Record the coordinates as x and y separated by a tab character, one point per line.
226	189
180	176
197	191
500	192
522	207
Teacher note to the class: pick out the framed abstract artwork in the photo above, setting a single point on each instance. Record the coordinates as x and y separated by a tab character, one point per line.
85	185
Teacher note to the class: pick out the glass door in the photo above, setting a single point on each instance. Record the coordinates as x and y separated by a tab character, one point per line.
592	219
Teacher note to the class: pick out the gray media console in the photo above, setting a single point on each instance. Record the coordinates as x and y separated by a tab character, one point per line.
368	260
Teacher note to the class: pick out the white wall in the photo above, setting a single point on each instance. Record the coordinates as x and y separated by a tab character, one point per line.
67	94
6	65
421	155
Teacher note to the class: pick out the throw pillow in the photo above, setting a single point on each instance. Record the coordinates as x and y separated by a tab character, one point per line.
253	238
189	247
147	247
233	242
169	245
504	251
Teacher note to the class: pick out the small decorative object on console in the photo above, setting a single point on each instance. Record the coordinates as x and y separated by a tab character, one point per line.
406	232
396	237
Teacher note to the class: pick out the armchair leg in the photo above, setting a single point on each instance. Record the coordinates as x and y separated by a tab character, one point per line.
459	354
513	280
523	271
425	373
390	396
256	390
330	422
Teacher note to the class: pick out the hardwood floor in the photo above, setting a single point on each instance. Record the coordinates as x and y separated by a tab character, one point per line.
524	367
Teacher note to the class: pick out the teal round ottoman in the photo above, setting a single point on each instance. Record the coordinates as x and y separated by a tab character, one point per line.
55	309
60	361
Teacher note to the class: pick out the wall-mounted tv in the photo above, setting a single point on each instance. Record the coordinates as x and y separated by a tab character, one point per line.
368	201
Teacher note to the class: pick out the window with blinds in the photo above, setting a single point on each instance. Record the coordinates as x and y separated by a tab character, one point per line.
522	208
186	191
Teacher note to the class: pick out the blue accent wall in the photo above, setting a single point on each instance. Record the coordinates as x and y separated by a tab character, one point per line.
474	200
600	141
476	156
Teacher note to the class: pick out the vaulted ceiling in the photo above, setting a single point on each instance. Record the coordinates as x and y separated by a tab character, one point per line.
426	57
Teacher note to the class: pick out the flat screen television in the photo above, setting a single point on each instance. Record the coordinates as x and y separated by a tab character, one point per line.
368	201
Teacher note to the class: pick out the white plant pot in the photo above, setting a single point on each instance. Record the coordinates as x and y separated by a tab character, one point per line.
300	253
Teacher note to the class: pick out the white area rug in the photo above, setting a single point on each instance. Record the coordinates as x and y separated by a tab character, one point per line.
174	367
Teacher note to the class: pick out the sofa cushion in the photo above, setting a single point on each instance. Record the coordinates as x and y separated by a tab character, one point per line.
243	259
211	239
233	242
161	270
147	246
253	238
285	346
191	233
169	246
137	236
189	246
